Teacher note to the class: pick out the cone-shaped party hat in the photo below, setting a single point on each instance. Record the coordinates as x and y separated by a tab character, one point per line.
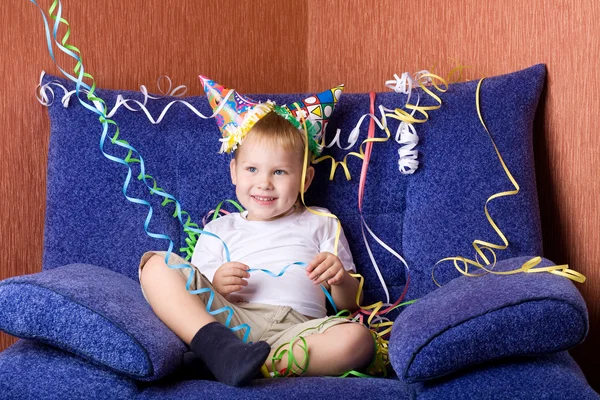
239	114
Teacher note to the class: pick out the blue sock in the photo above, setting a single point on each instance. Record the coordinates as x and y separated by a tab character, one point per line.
231	361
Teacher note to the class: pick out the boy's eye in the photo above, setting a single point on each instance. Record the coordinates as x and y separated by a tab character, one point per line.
279	172
251	169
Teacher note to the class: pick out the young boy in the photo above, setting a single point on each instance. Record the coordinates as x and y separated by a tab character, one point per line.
274	231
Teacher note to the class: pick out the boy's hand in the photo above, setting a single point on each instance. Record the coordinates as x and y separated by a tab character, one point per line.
326	267
229	277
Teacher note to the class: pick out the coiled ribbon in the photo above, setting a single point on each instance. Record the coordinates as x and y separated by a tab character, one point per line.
405	134
480	246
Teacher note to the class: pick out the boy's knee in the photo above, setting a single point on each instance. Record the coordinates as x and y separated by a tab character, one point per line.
357	342
362	337
152	269
362	345
353	346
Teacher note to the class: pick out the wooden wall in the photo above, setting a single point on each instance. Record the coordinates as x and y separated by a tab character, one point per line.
298	46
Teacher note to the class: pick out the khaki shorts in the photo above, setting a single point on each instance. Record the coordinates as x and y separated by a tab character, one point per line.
273	324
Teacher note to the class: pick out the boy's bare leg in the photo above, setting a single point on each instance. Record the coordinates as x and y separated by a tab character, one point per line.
339	349
165	290
230	359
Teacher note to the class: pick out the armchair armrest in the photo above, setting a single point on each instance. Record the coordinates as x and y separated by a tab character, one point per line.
92	312
470	320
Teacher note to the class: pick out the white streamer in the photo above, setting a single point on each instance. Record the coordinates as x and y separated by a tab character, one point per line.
406	135
44	92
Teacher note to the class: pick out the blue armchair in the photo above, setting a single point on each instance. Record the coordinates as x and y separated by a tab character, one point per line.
87	331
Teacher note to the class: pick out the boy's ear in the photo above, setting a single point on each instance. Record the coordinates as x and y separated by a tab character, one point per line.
232	171
310	174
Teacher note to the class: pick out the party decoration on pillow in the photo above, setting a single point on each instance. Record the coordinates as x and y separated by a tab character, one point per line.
529	266
239	114
407	115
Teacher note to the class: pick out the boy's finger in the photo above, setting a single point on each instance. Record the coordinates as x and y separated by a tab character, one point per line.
337	278
232	288
239	265
322	267
316	261
238	271
323	272
234	280
322	277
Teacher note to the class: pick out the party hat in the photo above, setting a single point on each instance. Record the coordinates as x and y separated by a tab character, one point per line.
238	115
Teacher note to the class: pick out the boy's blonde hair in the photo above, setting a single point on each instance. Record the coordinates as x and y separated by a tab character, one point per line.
274	129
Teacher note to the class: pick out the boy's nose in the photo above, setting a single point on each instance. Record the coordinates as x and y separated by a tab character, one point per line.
265	182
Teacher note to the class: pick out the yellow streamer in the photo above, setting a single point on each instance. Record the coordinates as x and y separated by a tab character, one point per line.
480	245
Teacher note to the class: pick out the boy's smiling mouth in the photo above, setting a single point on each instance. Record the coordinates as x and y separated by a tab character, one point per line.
264	200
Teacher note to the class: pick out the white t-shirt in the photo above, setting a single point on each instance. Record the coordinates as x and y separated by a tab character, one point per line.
272	245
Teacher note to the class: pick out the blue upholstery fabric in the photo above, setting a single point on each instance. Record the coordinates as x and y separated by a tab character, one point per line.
92	312
472	320
290	388
445	199
30	370
551	376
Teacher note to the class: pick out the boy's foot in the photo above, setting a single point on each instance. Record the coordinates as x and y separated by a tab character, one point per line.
194	368
231	361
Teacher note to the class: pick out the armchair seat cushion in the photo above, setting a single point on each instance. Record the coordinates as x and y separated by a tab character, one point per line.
33	370
289	388
551	376
95	313
471	320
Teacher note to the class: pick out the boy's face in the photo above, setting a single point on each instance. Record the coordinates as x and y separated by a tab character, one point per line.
267	178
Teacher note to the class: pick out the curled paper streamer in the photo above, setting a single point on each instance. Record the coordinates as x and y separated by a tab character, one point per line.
406	135
480	245
284	269
45	95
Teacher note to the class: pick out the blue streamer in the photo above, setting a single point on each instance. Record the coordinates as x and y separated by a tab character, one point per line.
300	264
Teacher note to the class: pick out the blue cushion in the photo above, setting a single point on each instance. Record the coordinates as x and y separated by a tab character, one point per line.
94	313
289	388
552	376
471	320
434	213
460	171
33	370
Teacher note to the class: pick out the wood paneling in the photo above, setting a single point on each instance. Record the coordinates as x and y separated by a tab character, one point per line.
297	46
